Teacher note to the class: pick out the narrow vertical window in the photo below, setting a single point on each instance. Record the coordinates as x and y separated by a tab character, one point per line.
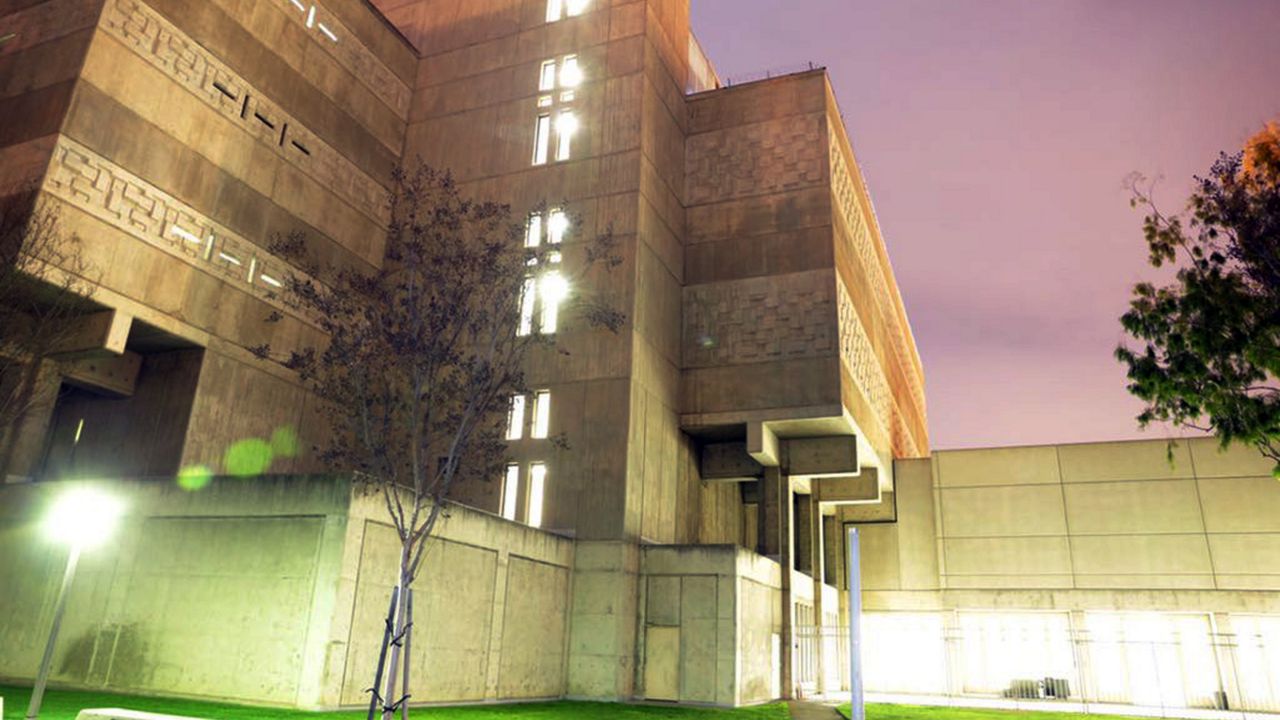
527	300
537	483
557	227
566	126
541	415
515	418
533	231
511	492
547	76
555	10
570	72
575	7
553	291
542	140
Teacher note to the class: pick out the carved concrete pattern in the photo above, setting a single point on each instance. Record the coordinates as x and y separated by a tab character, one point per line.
860	357
167	48
110	193
354	56
44	21
755	159
759	319
846	196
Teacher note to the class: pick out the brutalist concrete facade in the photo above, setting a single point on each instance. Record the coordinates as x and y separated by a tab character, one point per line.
764	394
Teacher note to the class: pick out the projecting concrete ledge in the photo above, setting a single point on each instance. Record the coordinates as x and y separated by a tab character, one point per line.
119	714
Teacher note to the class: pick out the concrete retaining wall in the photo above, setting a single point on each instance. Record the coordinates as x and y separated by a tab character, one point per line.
272	591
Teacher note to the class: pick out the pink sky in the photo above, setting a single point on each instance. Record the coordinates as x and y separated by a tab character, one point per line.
996	136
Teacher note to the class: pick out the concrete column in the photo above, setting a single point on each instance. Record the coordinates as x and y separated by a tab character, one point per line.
316	689
814	532
1224	646
776	542
602	626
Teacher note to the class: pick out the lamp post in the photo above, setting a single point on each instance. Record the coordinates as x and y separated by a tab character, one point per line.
81	519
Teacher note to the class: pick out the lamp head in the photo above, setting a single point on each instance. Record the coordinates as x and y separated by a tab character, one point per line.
83	517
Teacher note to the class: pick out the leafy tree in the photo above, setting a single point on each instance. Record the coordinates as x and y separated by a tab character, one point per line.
45	284
423	356
1208	352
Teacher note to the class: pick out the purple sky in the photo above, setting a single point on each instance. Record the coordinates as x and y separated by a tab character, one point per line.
996	136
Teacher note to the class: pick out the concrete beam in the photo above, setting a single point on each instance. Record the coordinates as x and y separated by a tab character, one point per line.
116	376
102	334
728	462
848	489
762	444
822	457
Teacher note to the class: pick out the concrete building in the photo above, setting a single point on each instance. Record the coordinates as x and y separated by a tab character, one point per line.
764	394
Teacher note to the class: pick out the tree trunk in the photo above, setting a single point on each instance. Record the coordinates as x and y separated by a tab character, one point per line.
397	637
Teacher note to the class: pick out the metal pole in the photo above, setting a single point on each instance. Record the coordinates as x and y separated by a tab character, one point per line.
857	707
376	700
408	650
42	678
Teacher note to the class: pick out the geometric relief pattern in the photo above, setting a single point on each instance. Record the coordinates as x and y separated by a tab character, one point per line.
860	357
90	182
759	319
356	58
170	50
848	207
754	159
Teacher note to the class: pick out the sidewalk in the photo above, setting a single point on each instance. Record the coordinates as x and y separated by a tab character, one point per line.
813	711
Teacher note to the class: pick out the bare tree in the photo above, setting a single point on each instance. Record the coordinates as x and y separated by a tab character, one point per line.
45	284
422	359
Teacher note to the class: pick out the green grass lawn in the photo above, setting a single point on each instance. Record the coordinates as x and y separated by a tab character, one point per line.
908	712
64	705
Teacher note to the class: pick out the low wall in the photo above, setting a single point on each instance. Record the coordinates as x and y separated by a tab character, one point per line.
491	609
711	616
207	594
273	591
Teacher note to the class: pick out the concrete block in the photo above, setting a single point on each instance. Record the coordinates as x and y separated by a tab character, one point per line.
1003	511
1141	460
1166	506
1000	466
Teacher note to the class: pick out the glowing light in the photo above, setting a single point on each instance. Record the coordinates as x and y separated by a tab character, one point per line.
299	5
555	288
311	16
511	492
83	518
555	8
185	235
541	414
230	258
577	7
557	225
537	483
570	72
270	281
515	418
527	299
327	32
567	124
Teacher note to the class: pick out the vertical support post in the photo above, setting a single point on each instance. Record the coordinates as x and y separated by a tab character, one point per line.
42	678
408	648
375	702
858	709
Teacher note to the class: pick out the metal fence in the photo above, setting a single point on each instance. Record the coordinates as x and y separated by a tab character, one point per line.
1171	664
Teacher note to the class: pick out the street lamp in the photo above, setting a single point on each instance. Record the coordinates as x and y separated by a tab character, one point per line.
81	519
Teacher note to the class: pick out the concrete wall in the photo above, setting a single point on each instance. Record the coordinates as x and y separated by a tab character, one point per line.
273	591
209	595
1092	525
491	609
149	123
711	617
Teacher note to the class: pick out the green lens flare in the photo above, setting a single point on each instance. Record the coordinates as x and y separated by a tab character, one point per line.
248	458
195	477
